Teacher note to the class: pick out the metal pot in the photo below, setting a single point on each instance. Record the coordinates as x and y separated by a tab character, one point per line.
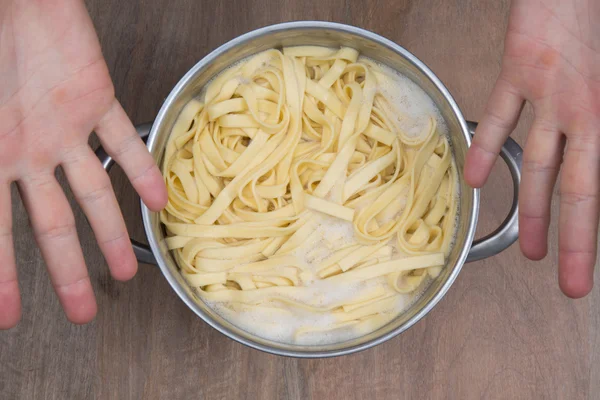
388	53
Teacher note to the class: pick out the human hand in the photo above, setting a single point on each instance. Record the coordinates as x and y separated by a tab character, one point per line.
551	59
55	90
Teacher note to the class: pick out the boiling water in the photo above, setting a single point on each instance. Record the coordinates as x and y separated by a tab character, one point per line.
278	321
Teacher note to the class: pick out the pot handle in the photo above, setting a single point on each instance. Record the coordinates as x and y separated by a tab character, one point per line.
142	252
508	231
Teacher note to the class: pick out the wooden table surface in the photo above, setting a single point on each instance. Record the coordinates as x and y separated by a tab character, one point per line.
504	331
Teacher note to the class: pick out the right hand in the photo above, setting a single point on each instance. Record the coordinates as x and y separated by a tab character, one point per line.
551	59
55	90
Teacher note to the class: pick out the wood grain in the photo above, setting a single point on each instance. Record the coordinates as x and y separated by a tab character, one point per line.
504	331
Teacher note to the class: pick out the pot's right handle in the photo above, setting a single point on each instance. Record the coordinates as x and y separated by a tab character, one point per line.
508	231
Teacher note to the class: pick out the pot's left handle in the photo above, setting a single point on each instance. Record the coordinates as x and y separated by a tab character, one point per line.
142	251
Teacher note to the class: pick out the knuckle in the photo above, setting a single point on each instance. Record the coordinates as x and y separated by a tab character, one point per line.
482	147
566	250
75	282
531	208
39	179
143	173
58	231
7	282
573	198
116	239
538	167
125	145
496	120
508	84
531	215
74	154
584	142
6	233
97	194
544	124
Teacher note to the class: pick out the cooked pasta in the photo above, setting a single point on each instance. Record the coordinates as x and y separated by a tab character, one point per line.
281	149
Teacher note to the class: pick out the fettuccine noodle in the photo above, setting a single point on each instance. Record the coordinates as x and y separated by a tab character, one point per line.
283	147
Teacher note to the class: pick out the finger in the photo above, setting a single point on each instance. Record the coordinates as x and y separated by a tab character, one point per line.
578	222
499	120
10	300
54	228
541	162
121	141
92	189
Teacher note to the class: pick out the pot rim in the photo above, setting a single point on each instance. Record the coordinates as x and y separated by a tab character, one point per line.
329	26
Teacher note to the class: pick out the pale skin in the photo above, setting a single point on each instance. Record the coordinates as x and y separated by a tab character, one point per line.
552	60
57	91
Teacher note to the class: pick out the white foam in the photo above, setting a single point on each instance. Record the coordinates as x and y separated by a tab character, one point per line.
330	235
409	99
281	324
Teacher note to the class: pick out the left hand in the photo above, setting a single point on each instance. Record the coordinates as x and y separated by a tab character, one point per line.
551	59
54	90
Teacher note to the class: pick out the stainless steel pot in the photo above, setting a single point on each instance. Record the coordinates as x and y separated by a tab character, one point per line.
386	52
